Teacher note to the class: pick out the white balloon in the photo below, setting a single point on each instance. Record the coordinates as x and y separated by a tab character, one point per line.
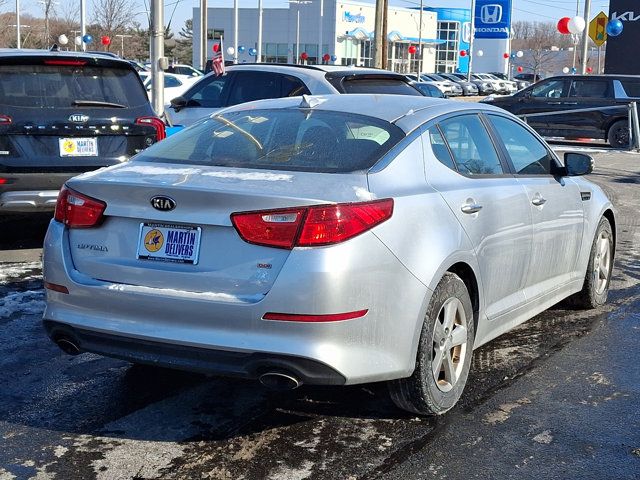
63	40
519	53
78	40
565	70
576	25
479	53
231	50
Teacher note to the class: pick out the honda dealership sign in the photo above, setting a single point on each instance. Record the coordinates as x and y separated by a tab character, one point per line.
620	57
493	18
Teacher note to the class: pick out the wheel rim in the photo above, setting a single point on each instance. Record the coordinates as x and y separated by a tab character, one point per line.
449	349
602	263
621	136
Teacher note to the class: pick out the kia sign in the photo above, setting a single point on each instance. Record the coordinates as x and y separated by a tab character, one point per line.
492	18
618	58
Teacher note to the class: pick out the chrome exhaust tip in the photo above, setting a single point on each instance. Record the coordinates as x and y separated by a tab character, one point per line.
279	381
68	346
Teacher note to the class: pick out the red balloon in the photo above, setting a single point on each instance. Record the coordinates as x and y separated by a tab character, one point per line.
105	40
304	55
216	47
563	25
589	69
326	57
505	55
520	69
412	49
463	53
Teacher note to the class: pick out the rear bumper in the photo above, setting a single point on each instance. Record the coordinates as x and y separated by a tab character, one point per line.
358	274
28	201
196	359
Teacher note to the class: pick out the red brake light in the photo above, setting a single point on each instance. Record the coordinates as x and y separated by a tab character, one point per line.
156	123
70	63
5	119
311	226
3	181
78	211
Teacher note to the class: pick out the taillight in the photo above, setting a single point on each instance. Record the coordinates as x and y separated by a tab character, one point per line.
5	119
156	123
78	211
69	63
311	226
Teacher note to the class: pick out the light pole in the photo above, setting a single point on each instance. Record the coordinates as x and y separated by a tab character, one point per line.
259	53
298	3
472	34
585	35
83	23
319	62
18	24
203	34
122	37
75	34
419	44
235	31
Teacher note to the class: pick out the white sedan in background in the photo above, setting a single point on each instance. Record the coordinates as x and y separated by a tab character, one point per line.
174	85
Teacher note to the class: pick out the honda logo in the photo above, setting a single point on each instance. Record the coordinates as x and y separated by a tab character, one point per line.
490	14
78	118
163	203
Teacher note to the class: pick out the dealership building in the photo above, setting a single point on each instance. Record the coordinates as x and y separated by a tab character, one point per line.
348	35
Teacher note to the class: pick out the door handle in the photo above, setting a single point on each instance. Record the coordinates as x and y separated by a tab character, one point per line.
539	201
471	208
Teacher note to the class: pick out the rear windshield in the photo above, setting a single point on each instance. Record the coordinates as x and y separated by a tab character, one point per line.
379	85
281	139
59	86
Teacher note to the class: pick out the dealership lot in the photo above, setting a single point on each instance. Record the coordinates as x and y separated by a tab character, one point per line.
555	397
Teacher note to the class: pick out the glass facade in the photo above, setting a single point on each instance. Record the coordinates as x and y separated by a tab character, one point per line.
275	52
447	53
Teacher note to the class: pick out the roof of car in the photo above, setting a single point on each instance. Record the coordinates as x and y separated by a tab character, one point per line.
407	111
321	69
9	53
604	75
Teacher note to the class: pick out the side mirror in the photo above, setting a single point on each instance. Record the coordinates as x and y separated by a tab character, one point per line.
178	103
577	164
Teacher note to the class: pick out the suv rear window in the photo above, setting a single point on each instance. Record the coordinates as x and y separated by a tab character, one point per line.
281	139
378	85
58	86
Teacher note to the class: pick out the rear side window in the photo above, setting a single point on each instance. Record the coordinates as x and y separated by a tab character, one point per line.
590	89
528	155
471	146
170	82
58	86
379	85
250	86
293	87
281	139
631	87
208	92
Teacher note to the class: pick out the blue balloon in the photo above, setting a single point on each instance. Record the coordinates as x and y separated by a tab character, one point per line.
574	70
614	28
241	49
253	52
513	55
333	58
87	38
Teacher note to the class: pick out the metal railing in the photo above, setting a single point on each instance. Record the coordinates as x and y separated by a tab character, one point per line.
632	119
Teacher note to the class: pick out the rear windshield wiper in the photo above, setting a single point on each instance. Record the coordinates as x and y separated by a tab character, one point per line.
97	103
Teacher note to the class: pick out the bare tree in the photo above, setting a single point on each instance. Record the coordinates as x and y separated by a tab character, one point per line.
48	6
113	16
542	42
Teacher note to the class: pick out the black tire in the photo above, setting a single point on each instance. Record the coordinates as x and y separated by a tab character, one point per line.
618	135
593	295
422	393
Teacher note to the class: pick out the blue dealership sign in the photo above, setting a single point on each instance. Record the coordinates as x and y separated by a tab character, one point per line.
493	18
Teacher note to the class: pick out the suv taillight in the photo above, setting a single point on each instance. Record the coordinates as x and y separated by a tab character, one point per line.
78	211
311	226
156	123
5	119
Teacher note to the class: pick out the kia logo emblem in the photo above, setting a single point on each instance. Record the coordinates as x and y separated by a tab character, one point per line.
491	13
163	203
78	118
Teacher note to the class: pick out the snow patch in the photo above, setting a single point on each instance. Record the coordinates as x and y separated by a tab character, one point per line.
10	271
169	292
154	170
363	194
30	302
251	176
545	437
284	473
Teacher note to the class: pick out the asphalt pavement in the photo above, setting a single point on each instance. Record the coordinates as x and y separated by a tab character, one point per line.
555	398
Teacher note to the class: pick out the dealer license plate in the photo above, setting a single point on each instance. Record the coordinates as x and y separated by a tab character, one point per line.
169	243
78	147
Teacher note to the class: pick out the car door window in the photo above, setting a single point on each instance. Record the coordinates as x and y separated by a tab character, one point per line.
208	93
471	146
293	87
549	89
590	88
439	147
527	154
170	82
250	86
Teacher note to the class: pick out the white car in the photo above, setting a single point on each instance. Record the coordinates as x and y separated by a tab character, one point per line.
182	69
499	85
174	85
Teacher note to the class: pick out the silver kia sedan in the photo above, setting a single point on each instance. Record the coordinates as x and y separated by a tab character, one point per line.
327	240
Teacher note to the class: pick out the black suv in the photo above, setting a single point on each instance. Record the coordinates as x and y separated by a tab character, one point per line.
65	113
569	92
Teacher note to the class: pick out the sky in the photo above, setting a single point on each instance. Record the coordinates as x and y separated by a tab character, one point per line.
541	10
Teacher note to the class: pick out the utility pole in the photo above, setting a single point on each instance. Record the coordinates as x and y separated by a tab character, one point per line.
157	56
379	21
122	37
319	62
472	35
203	34
419	44
235	31
18	44
585	35
259	52
83	23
